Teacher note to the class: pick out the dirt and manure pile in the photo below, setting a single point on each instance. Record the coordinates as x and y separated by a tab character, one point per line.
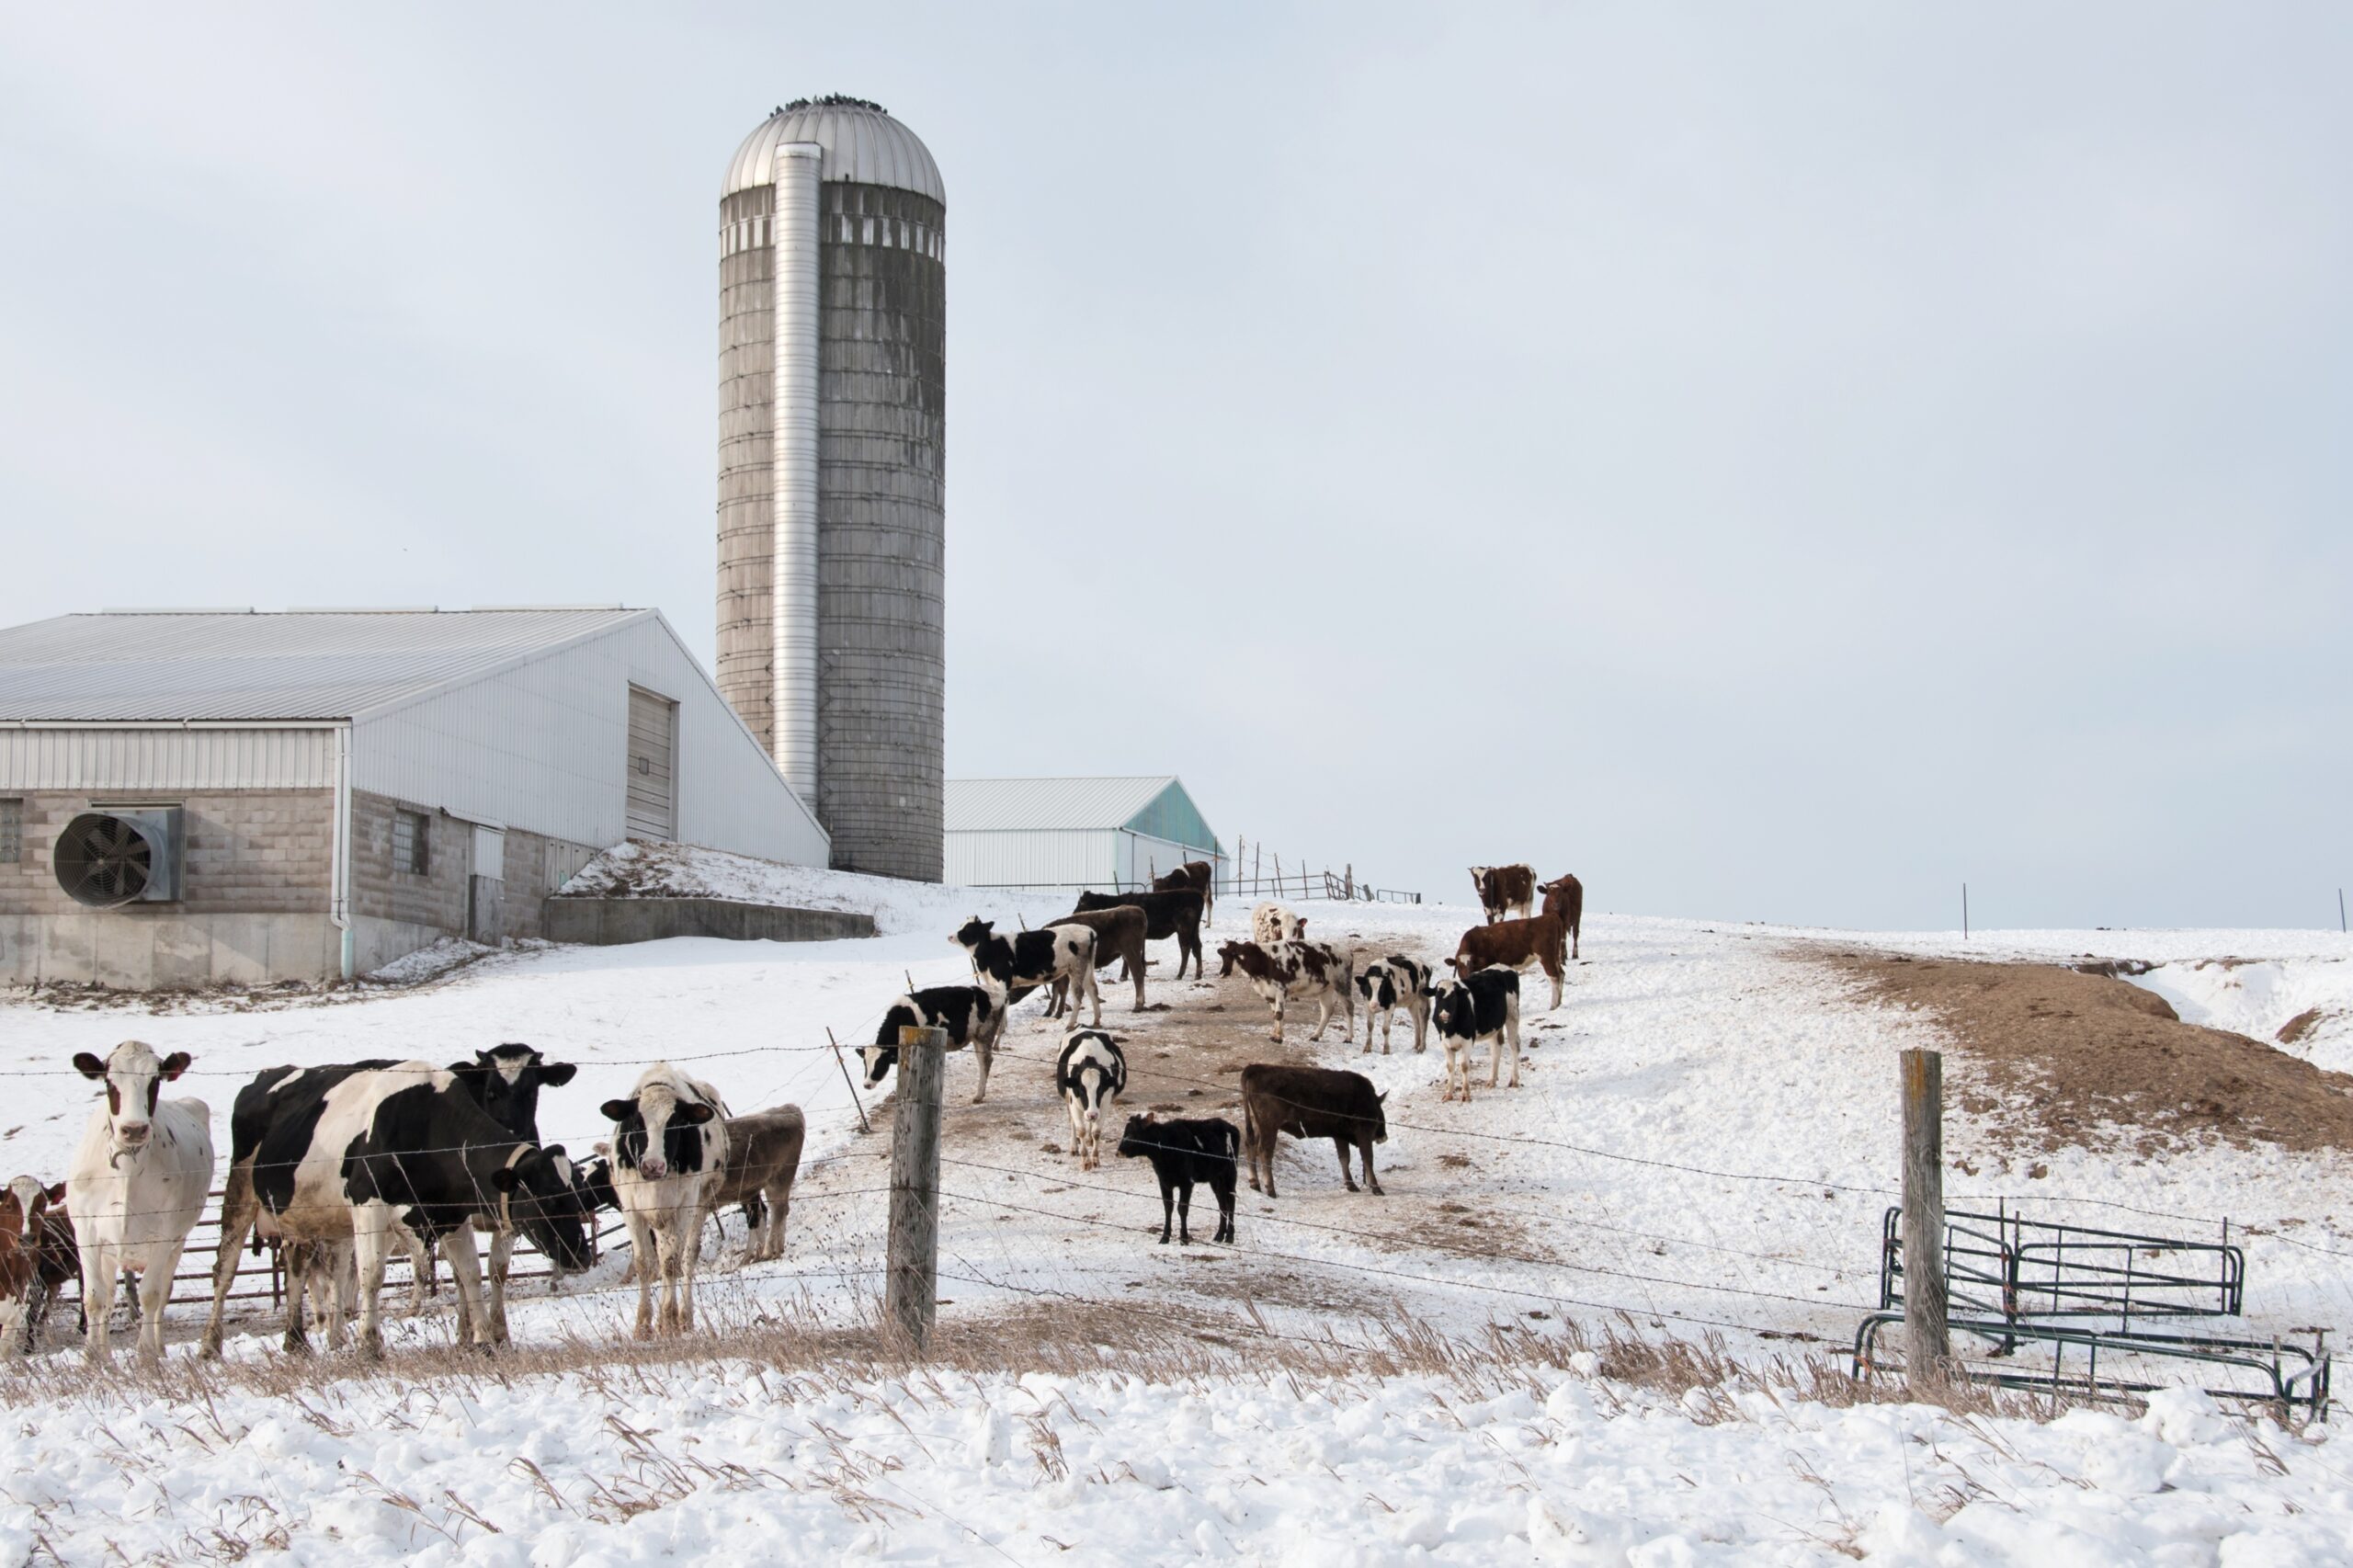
2047	1055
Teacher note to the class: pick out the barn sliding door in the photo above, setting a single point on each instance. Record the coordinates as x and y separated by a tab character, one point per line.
653	765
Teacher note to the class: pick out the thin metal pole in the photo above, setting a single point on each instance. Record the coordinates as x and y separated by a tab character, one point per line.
1964	912
911	1297
2340	909
844	1065
1928	1344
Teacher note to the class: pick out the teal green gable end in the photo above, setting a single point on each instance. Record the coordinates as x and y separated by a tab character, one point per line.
1173	816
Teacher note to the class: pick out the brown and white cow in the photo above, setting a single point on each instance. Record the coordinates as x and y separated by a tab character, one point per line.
1504	890
1565	895
136	1187
46	1236
1521	944
1286	972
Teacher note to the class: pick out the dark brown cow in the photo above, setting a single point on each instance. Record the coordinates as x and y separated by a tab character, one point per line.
1119	934
1518	944
1296	972
1504	890
1176	912
1309	1102
19	1275
763	1158
1198	874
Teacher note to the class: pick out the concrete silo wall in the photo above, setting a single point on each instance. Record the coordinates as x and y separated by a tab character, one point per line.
881	539
881	531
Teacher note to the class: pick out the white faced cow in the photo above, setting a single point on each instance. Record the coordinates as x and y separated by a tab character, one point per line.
1484	1005
1271	923
1033	959
137	1183
669	1157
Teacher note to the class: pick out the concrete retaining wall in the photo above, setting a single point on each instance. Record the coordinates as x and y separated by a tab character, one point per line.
602	921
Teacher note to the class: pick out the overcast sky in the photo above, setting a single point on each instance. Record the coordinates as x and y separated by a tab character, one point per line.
1776	462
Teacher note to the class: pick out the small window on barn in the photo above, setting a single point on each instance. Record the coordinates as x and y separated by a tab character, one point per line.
410	848
12	832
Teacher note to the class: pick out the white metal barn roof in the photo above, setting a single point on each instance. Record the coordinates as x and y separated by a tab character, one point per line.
134	668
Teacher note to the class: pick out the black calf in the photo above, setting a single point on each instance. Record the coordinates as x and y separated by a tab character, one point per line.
1183	1153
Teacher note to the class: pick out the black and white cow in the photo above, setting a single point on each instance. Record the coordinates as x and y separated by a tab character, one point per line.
352	1160
1091	1071
669	1157
1297	972
1033	958
1485	1007
972	1014
506	1080
1387	984
1182	1151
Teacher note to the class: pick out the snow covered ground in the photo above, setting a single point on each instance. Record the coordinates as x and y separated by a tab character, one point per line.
1705	1142
734	1462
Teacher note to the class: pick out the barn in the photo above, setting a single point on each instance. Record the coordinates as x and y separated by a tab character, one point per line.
194	799
1112	833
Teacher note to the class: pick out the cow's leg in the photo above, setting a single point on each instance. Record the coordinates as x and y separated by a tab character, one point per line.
1094	993
1273	1137
294	1264
1167	1205
465	1312
238	1208
1057	991
1184	1214
687	1276
780	1197
98	1272
1421	1027
502	1255
983	1048
1340	1146
424	1280
1250	1147
1364	1149
643	1258
155	1294
1279	1017
1135	966
371	1236
465	1281
668	1265
1553	967
1324	1016
1222	1184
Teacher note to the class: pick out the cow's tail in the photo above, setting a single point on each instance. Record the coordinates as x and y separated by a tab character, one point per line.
1231	1139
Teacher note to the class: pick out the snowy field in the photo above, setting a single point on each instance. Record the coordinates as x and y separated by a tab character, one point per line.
1703	1144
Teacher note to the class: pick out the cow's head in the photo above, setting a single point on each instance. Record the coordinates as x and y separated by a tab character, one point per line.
542	1202
1479	875
134	1076
972	933
1228	955
506	1081
593	1179
658	1131
1141	1136
1380	1118
879	1059
1450	1009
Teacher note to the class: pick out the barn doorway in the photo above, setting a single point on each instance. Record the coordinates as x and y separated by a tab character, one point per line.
653	765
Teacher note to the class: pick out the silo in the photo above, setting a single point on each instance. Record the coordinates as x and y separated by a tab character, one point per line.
831	540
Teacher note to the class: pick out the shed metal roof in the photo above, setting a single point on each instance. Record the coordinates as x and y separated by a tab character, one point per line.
981	805
168	666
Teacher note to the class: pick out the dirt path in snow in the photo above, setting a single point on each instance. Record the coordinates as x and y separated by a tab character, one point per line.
1185	1056
2051	1056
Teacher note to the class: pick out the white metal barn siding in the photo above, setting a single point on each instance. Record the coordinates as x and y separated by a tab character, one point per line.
1067	832
653	731
34	755
544	745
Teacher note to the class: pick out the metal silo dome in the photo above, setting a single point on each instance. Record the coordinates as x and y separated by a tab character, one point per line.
832	472
863	145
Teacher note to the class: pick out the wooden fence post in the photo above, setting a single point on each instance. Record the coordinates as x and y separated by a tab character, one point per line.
912	1288
1927	1345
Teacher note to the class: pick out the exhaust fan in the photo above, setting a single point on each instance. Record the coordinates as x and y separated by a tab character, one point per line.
105	859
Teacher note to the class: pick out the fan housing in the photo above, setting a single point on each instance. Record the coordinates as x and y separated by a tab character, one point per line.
108	858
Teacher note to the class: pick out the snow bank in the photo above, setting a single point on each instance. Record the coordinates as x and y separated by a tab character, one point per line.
731	1461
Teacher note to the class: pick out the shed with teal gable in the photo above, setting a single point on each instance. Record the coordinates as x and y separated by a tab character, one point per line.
1109	834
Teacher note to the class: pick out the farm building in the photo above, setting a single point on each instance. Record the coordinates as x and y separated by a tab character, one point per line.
1113	833
190	798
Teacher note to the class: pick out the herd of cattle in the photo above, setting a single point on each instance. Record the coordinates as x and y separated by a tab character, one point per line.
342	1164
